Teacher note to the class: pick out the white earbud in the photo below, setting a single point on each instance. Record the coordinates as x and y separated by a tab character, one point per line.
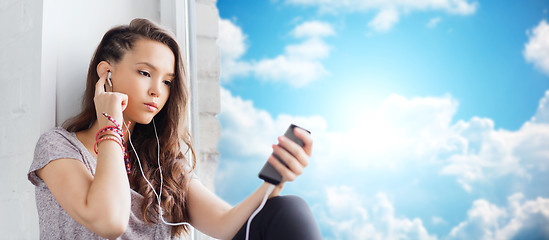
109	79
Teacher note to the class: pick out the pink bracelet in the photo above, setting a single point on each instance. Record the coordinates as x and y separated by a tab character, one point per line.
107	130
117	140
112	120
118	130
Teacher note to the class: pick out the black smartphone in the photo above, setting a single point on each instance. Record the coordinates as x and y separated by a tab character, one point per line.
268	173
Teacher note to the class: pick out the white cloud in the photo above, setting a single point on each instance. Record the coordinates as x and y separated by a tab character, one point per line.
232	46
433	22
437	220
294	71
407	134
313	29
299	65
388	11
491	154
462	7
231	40
542	114
384	20
519	220
308	50
536	50
249	131
402	132
350	217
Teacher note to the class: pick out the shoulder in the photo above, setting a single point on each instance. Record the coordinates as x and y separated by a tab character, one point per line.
57	133
56	139
53	144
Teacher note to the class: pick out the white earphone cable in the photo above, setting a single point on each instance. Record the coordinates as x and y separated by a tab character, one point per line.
158	195
267	193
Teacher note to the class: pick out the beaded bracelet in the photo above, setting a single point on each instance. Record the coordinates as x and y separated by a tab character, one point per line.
102	135
108	130
116	124
112	120
110	135
117	140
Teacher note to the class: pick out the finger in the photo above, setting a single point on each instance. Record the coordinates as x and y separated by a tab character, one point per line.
293	164
100	85
306	138
287	175
294	149
124	101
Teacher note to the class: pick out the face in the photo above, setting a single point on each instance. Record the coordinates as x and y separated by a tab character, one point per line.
144	74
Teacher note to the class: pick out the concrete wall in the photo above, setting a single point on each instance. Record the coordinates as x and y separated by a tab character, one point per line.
207	18
45	49
74	33
20	52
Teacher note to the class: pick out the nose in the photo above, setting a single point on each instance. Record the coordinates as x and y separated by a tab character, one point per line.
155	89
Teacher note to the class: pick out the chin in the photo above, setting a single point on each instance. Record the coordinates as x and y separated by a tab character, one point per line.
144	120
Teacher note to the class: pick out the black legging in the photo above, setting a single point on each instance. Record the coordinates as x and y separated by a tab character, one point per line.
283	217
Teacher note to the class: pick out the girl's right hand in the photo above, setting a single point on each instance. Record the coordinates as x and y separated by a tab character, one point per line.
112	103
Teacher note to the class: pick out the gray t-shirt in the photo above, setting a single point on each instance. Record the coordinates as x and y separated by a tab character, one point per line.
54	222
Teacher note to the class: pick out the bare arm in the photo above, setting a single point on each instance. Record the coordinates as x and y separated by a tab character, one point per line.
212	216
102	202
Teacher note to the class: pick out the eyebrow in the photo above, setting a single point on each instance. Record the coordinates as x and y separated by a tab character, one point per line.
154	68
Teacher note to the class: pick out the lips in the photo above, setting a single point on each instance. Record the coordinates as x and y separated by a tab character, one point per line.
152	106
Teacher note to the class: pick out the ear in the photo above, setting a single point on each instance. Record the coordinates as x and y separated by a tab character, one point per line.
103	67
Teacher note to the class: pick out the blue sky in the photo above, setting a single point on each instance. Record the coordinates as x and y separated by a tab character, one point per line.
429	117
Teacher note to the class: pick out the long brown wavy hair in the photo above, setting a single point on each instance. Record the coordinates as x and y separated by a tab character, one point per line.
171	124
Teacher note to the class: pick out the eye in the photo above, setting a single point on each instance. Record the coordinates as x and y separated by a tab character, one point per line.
168	83
145	73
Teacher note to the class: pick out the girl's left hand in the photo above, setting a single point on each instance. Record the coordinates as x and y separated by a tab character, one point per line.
296	157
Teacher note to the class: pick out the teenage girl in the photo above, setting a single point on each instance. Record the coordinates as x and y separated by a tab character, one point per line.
120	168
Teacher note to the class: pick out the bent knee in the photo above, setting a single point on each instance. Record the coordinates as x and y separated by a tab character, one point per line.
293	215
290	203
291	210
